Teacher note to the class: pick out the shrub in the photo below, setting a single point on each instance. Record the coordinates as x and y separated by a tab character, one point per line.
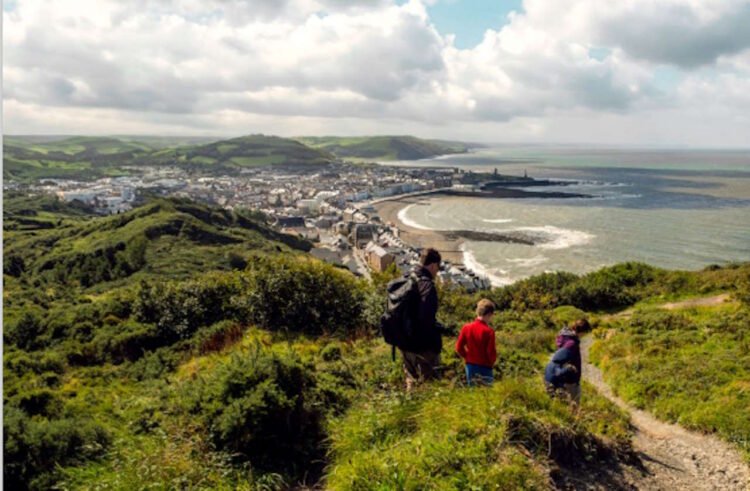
179	308
538	292
217	337
742	292
307	296
36	447
27	331
563	316
616	286
13	265
262	407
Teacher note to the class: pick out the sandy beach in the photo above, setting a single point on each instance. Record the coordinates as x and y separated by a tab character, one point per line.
450	248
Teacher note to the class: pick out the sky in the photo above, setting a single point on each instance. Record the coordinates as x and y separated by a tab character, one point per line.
631	72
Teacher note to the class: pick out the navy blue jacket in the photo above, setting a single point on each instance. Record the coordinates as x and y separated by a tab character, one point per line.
559	370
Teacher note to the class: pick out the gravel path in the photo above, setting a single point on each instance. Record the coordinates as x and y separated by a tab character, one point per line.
674	458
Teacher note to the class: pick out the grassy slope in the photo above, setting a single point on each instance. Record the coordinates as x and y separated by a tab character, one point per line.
443	437
449	437
691	367
140	403
176	238
383	147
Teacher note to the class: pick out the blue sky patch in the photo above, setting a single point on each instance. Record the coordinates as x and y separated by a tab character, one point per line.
469	19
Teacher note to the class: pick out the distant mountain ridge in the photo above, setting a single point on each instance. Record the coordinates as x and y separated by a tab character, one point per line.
384	147
82	157
33	157
253	151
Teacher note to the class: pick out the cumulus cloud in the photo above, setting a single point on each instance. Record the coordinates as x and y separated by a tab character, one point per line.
687	34
209	64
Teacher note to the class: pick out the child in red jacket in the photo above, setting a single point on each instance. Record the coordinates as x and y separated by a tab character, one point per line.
476	345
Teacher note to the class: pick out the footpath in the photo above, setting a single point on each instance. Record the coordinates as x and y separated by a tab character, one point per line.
674	458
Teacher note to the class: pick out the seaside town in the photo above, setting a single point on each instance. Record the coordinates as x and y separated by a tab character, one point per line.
331	206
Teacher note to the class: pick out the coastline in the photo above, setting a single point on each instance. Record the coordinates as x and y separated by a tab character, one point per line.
448	246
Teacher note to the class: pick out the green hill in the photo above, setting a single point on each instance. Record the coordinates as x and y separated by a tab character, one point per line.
72	157
29	158
384	147
166	237
251	151
185	346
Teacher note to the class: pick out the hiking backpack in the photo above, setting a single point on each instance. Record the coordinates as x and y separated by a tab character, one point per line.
398	324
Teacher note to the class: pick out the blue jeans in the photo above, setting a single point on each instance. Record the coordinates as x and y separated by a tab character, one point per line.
481	375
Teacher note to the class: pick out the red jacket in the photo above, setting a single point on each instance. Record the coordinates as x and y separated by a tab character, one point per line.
476	344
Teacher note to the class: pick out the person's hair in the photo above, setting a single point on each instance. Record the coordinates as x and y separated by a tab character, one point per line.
429	256
580	325
485	307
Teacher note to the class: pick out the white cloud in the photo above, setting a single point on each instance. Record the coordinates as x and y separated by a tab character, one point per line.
204	66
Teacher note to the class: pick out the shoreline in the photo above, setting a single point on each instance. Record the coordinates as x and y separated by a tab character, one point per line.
450	242
449	247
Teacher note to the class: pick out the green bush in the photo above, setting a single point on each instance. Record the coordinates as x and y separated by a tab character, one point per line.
179	308
617	286
34	448
217	337
742	291
261	407
27	331
542	291
300	295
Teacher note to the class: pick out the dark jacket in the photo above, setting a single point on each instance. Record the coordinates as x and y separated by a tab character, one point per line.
559	370
426	312
568	338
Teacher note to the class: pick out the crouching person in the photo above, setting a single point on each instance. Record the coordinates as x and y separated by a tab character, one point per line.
476	345
563	373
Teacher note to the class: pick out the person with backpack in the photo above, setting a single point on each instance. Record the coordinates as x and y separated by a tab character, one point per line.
410	321
563	373
476	345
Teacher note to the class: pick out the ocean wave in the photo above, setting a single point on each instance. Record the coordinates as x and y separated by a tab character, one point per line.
498	220
604	184
498	277
551	237
528	262
610	197
403	218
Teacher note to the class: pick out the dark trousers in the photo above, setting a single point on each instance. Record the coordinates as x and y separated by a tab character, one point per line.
419	367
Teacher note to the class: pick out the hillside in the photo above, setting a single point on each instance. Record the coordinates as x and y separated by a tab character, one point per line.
249	151
183	346
384	148
29	158
58	241
72	157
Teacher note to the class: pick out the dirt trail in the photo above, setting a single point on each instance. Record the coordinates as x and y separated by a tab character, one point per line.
684	304
674	458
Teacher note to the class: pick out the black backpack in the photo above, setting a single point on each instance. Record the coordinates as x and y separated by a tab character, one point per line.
398	324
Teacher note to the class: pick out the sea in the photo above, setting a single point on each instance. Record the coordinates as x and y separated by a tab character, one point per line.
676	209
